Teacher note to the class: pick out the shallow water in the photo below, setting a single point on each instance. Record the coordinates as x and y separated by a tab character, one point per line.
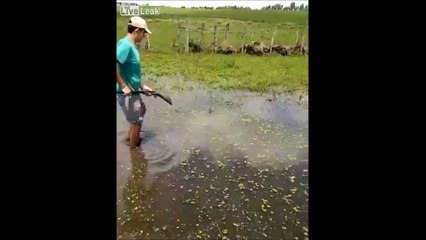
218	165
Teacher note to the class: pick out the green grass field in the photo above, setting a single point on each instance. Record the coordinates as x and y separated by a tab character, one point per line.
265	73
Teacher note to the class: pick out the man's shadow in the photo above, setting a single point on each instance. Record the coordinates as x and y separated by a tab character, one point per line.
147	136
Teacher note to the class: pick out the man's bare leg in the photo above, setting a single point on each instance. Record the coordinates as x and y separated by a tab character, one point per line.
127	139
134	138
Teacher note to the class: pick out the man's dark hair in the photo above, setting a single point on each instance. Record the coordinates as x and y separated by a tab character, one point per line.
130	28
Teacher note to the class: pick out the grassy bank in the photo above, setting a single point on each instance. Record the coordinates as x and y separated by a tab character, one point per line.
233	71
269	72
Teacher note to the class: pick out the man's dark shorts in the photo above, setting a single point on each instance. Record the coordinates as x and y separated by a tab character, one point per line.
133	108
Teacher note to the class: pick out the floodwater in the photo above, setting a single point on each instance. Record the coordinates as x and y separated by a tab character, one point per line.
218	165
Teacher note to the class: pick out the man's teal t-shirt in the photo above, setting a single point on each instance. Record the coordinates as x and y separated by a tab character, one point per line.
128	63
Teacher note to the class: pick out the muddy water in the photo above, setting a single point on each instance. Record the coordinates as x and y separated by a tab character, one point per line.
218	165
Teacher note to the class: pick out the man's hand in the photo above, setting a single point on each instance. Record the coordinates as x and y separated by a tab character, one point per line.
126	90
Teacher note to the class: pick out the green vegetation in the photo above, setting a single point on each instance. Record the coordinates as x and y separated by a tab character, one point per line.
233	71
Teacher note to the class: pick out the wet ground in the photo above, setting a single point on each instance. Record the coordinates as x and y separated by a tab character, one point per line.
219	165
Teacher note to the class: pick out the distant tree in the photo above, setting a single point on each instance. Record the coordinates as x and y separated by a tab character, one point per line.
302	7
277	7
183	7
267	7
292	6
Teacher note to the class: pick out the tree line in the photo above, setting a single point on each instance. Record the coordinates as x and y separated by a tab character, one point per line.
292	7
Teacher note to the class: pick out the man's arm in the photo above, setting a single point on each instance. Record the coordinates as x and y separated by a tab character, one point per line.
120	79
122	55
123	85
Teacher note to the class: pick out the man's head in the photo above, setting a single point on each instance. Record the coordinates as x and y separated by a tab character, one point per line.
138	28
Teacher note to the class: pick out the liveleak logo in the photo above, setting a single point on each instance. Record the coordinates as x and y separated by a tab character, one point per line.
138	10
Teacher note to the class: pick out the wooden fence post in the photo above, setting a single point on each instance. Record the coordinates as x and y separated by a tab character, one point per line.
187	40
148	43
214	39
297	36
272	40
243	41
227	32
178	35
202	32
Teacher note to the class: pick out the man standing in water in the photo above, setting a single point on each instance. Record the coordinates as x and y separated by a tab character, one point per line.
129	78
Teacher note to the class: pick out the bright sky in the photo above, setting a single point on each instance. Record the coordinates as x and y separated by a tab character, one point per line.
208	3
